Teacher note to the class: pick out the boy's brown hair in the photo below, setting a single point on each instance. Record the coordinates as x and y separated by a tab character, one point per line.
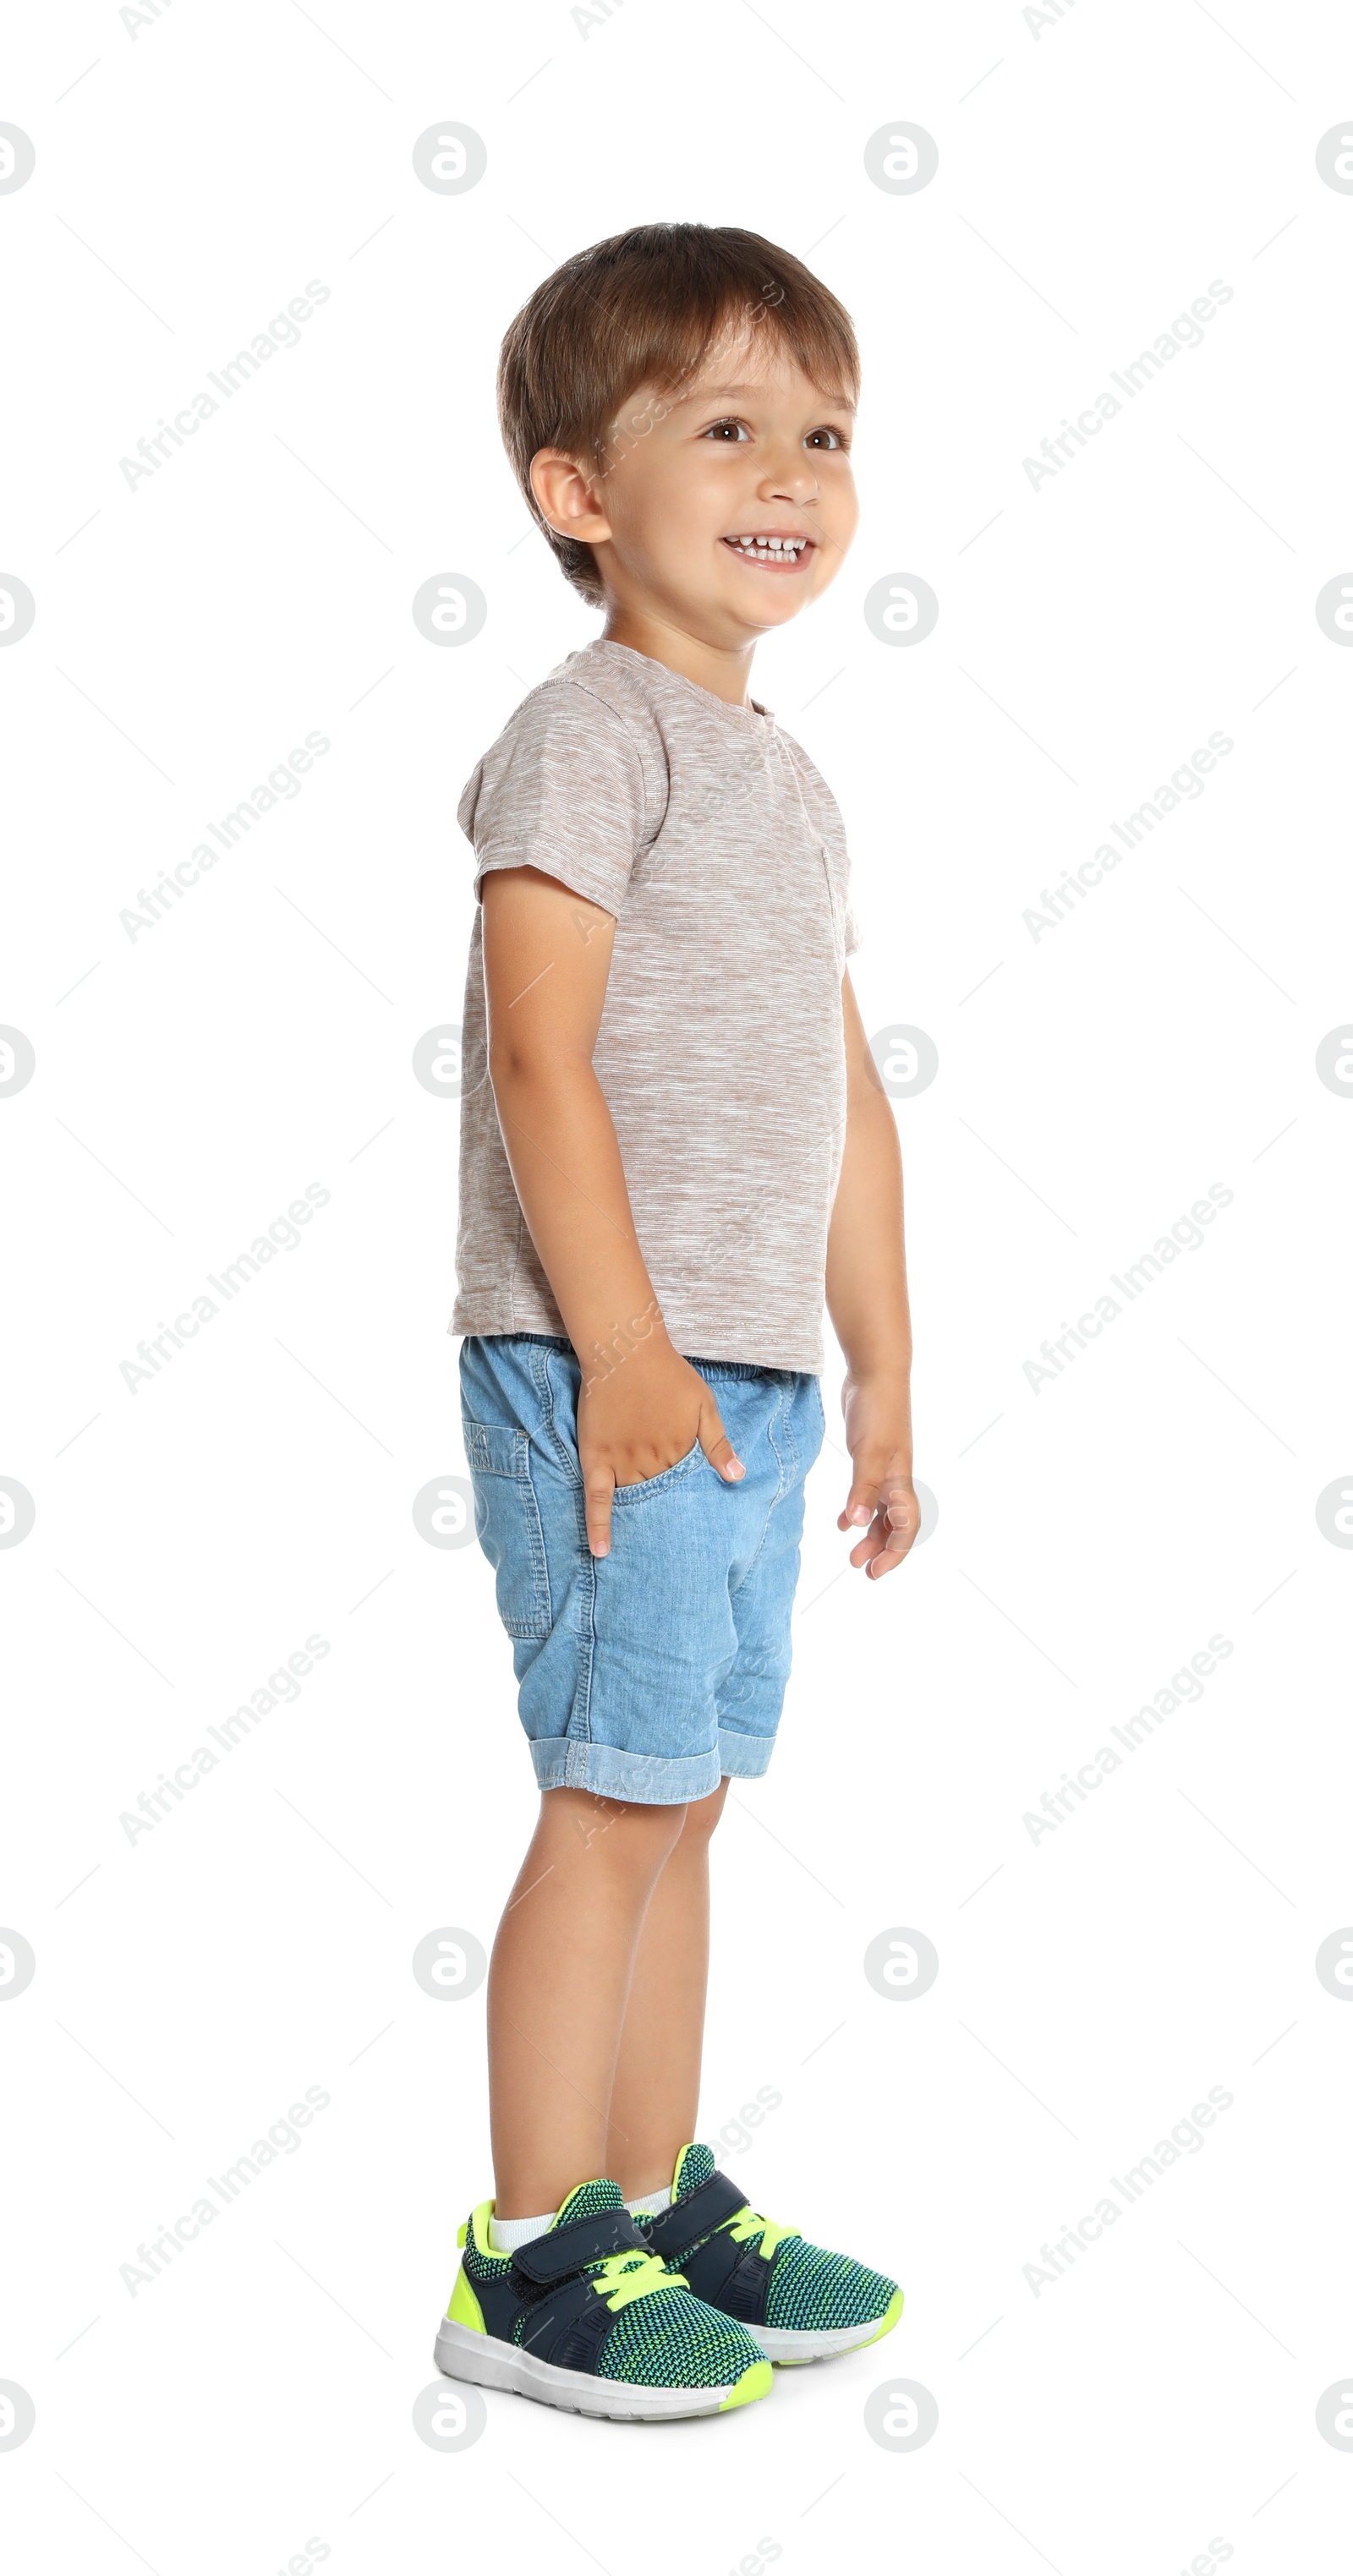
644	308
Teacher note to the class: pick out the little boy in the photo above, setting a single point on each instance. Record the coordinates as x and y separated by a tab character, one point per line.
676	1146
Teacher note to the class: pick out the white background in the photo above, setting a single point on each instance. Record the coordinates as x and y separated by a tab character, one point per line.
1095	175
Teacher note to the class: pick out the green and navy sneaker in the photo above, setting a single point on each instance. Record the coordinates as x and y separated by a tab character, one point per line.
799	2303
587	2317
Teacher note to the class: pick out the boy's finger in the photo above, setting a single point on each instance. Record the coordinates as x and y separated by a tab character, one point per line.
894	1553
870	1541
598	1488
903	1514
891	1535
900	1527
717	1446
864	1498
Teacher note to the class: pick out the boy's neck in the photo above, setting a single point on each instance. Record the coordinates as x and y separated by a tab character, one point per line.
724	674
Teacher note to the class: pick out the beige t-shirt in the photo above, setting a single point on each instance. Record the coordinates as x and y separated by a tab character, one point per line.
710	836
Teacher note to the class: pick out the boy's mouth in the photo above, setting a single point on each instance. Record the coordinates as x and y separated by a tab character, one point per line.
784	551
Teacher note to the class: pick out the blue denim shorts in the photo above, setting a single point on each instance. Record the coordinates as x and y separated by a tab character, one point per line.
648	1673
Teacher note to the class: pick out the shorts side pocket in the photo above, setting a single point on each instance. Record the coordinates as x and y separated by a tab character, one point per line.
676	1474
507	1524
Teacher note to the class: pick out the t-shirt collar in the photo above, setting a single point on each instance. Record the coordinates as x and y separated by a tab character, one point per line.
752	713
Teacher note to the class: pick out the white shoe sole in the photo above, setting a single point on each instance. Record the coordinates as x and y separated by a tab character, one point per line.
786	2345
490	2363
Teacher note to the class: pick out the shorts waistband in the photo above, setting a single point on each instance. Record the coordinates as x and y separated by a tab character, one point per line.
707	1368
739	1368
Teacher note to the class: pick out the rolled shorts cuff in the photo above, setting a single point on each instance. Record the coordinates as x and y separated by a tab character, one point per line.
744	1757
639	1779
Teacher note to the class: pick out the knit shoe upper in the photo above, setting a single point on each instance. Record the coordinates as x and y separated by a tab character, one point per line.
795	2286
662	2336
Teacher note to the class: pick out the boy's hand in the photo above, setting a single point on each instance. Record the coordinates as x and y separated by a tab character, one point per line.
882	1502
644	1415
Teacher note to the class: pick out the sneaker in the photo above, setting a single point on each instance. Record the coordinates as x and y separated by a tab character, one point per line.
799	2303
588	2318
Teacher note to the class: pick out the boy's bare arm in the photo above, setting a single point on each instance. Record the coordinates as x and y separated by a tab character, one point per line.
867	1301
547	956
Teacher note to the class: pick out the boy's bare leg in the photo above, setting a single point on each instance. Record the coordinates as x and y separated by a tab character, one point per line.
656	2094
559	1982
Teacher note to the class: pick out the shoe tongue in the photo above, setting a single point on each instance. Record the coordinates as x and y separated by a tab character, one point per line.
588	2200
694	2165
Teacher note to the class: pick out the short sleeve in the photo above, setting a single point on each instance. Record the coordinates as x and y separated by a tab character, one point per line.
561	790
837	862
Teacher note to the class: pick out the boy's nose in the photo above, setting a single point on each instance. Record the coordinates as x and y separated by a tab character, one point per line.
789	478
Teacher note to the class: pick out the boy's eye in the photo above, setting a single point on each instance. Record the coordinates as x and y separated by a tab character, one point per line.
733	431
729	432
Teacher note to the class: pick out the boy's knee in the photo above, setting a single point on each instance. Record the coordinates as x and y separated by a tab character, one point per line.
624	1837
702	1815
645	1838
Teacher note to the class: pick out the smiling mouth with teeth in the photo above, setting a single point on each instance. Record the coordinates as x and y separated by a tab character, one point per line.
783	554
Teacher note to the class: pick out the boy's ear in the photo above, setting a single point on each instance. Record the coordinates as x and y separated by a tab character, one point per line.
565	497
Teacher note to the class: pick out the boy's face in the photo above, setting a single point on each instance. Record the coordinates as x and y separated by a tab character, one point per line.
726	504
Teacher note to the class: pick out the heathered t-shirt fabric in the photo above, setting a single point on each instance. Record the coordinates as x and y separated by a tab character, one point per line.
707	832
